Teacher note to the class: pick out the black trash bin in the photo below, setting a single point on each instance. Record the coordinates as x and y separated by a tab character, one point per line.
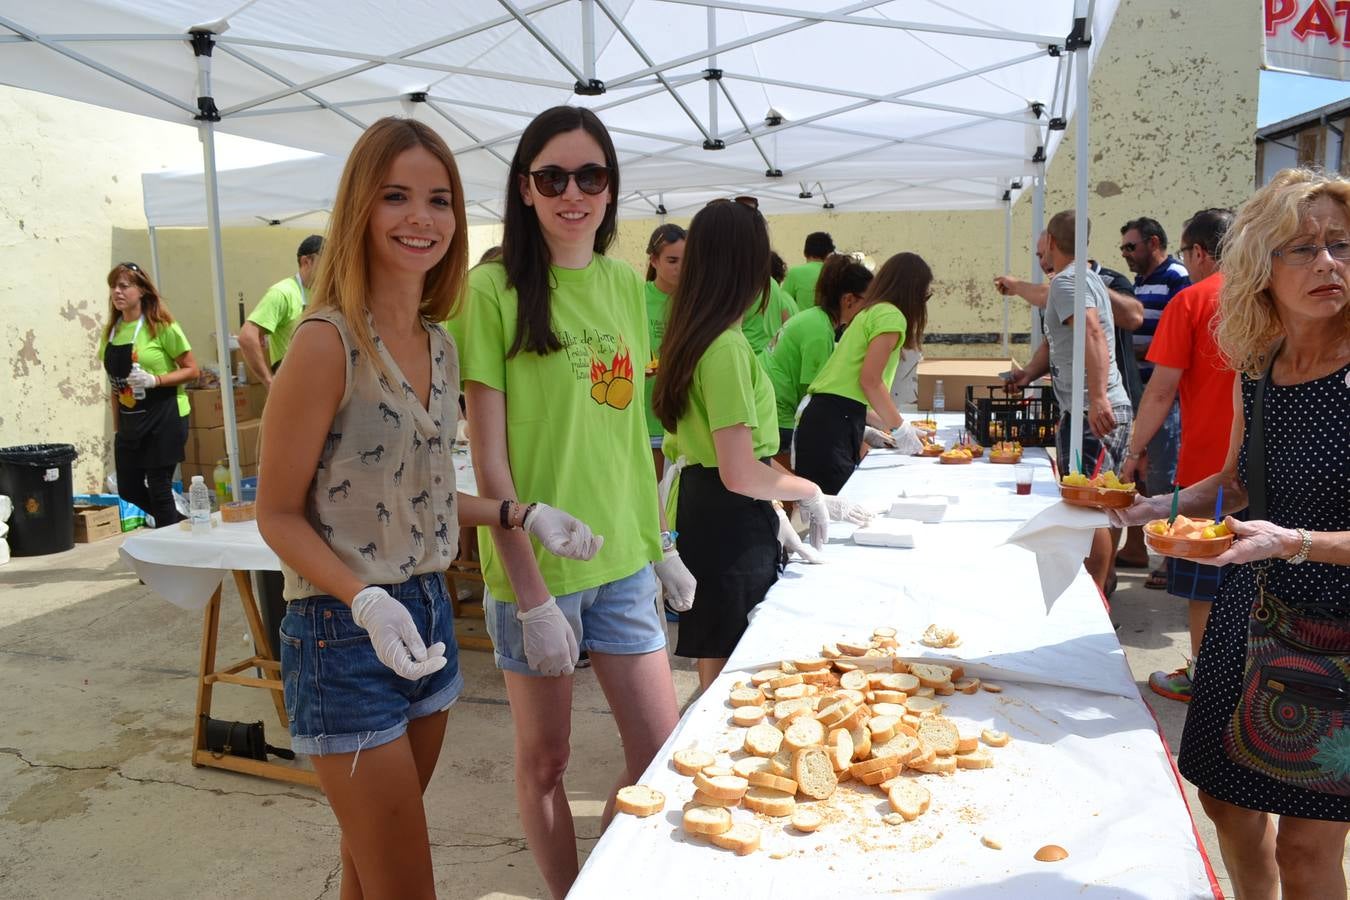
36	478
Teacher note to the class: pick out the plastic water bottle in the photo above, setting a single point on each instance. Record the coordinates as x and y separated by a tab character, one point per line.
221	476
199	506
137	392
939	401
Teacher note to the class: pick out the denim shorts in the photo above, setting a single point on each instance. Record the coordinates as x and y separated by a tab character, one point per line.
339	697
623	617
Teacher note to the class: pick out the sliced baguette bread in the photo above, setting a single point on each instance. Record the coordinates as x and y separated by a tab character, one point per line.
813	772
763	740
639	800
769	802
941	734
706	820
742	837
691	760
806	820
909	798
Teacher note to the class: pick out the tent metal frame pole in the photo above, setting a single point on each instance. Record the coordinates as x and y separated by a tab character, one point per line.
712	82
1080	245
154	257
1007	267
206	130
1037	226
588	40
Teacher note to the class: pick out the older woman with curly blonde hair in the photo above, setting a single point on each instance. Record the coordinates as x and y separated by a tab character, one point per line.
1266	735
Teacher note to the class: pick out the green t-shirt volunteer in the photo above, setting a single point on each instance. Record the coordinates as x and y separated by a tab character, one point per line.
155	353
729	387
277	313
760	327
800	282
575	438
841	374
801	351
658	304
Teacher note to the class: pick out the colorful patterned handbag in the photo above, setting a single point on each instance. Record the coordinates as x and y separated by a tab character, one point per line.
1290	723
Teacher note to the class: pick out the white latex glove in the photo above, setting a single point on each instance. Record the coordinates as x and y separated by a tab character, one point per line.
907	440
817	515
842	510
140	379
877	439
788	537
1144	509
677	580
550	644
394	635
561	534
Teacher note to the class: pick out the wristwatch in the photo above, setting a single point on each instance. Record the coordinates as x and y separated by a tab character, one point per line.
1304	549
668	540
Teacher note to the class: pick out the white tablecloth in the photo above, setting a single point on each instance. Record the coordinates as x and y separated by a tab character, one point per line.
1086	768
185	568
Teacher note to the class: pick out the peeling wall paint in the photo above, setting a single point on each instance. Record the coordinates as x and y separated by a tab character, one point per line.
1173	114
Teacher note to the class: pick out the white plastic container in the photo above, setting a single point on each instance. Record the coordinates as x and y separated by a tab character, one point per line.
199	506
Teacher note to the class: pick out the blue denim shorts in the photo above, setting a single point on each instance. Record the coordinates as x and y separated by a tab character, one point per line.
623	617
339	697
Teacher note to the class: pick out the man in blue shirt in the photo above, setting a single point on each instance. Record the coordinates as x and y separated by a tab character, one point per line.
1158	278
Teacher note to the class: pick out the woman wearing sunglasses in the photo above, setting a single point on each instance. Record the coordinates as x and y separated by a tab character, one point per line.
829	437
553	363
717	400
665	254
149	364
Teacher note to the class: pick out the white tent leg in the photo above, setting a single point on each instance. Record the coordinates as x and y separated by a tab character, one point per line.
1037	276
1080	249
1007	267
154	258
206	130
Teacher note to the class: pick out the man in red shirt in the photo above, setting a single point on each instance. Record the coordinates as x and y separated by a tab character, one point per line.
1186	361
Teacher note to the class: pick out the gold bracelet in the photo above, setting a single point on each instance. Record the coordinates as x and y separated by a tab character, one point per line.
1304	549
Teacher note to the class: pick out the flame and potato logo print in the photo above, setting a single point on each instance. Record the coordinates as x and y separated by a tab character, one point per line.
612	385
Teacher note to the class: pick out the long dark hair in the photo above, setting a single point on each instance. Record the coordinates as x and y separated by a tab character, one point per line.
841	274
663	235
525	254
726	269
153	310
904	281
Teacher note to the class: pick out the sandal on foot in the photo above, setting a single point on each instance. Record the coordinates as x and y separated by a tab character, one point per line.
1157	580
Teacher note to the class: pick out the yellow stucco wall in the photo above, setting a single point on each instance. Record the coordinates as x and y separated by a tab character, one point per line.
1173	113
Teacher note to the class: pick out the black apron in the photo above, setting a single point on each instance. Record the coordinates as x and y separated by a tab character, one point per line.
149	428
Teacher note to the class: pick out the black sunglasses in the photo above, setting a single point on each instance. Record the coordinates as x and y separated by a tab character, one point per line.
550	181
743	200
129	265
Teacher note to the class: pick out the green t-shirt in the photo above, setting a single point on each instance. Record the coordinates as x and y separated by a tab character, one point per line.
842	373
155	354
277	313
657	305
802	348
575	438
801	283
454	326
760	327
729	387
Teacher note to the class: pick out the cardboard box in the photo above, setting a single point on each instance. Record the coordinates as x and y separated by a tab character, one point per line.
94	523
207	445
208	410
957	375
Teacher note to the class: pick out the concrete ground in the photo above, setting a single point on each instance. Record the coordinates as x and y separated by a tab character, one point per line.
98	799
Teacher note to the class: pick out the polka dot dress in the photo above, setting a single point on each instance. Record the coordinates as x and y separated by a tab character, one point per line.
1307	428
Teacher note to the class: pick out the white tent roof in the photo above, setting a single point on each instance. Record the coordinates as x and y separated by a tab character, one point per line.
884	105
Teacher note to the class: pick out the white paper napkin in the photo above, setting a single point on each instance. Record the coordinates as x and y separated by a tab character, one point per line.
884	532
925	509
1060	536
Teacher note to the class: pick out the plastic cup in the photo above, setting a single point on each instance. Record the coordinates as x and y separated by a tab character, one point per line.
1024	475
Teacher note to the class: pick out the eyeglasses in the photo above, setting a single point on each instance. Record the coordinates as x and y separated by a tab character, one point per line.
550	181
743	200
129	265
1303	254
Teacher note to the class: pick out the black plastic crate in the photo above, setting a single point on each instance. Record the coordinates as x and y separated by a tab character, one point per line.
1028	417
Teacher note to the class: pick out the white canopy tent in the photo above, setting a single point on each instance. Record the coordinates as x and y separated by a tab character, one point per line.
877	104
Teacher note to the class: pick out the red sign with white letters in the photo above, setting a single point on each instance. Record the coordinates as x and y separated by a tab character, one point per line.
1308	36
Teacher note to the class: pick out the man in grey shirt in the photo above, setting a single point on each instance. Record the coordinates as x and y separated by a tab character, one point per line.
1108	413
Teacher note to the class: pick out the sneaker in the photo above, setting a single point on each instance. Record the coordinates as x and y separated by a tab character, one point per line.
583	660
1172	685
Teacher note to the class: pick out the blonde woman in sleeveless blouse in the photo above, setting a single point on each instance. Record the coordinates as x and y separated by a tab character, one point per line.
357	496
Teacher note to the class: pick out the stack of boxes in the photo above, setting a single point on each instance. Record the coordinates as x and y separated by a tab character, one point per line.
206	431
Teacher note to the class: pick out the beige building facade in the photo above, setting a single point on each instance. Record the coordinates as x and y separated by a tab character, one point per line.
1173	105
